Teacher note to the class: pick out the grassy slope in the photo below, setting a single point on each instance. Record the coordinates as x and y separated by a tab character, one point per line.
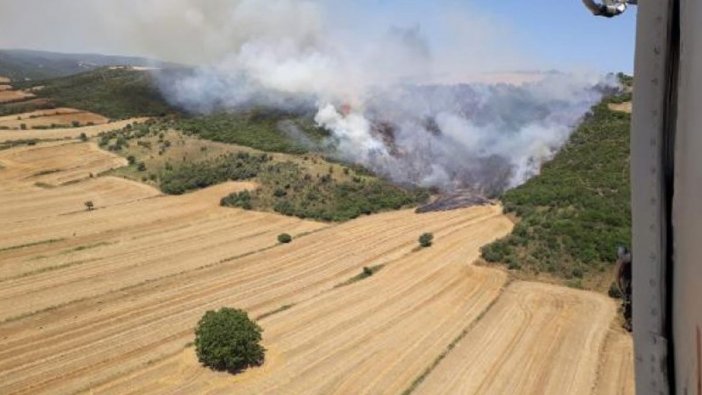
576	212
306	186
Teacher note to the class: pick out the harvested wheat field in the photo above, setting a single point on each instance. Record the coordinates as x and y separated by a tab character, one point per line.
617	365
8	96
5	87
65	133
56	163
59	117
4	80
373	336
538	338
106	300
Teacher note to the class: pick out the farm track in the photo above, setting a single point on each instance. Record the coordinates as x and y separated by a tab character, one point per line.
107	300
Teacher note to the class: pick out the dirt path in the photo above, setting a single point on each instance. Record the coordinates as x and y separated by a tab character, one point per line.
537	338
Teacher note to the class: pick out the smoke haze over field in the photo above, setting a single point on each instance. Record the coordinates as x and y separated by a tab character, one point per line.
388	87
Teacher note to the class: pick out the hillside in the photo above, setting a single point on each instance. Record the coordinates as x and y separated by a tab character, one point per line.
21	64
115	93
572	217
294	183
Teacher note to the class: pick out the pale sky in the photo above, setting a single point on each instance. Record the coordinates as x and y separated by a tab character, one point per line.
491	35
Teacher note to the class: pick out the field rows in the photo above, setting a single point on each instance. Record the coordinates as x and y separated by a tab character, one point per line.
47	118
64	133
537	338
106	300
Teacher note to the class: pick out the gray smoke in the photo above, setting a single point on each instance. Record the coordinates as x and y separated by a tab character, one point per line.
408	97
484	137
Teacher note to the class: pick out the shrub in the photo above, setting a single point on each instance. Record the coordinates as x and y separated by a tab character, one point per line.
241	200
141	166
23	126
575	213
83	137
228	340
75	124
426	240
614	291
191	176
284	238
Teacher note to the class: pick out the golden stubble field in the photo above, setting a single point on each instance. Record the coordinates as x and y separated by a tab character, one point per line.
106	300
47	118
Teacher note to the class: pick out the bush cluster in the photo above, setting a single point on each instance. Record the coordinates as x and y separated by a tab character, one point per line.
576	212
290	191
228	340
258	129
191	176
114	93
426	240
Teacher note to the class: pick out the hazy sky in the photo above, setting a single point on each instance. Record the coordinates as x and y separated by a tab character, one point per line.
488	35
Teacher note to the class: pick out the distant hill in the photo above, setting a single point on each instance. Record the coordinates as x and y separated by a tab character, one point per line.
116	93
22	65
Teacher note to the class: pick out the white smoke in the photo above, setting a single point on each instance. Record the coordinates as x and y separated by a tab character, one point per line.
395	103
485	137
401	95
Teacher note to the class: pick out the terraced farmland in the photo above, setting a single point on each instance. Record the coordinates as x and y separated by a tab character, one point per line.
64	133
52	117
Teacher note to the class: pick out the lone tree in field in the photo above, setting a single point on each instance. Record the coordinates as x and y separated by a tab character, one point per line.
89	205
426	240
228	340
284	238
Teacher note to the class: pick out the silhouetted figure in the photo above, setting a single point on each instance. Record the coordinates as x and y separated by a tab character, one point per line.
624	263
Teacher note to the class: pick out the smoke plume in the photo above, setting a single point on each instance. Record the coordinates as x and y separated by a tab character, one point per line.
428	99
396	104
